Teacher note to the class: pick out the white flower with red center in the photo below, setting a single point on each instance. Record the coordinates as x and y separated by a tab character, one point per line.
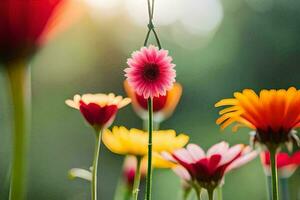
208	169
99	110
150	72
286	164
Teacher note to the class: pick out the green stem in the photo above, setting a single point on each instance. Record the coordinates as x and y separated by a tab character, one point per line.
185	193
95	166
156	125
198	193
220	193
19	80
119	189
197	189
269	185
127	194
210	194
149	170
274	173
284	185
137	178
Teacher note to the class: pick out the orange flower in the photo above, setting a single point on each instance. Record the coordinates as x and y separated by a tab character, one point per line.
163	106
273	114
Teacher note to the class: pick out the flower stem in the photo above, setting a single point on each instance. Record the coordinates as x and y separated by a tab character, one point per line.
149	170
274	173
95	167
122	191
210	194
284	185
137	178
127	194
185	193
19	80
198	193
220	193
269	185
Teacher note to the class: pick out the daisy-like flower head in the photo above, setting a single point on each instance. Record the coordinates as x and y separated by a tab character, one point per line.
163	106
122	141
273	114
99	110
151	72
286	164
208	169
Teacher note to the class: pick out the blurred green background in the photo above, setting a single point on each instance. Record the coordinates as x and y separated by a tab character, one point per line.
218	46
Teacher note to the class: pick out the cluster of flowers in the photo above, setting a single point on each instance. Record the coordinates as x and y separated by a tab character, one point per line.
273	115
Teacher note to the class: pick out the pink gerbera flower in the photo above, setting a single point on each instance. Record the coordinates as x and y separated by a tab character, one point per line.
151	72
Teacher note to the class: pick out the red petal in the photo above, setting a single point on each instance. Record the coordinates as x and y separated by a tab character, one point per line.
97	115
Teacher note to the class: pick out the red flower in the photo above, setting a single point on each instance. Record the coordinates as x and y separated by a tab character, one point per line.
26	24
286	164
163	106
208	169
99	110
21	24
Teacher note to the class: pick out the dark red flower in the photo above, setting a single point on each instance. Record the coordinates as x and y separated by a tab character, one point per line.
96	114
22	22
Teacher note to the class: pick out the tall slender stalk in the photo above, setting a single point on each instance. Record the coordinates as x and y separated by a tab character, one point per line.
185	193
149	169
274	173
150	102
95	166
198	193
284	185
210	194
137	178
269	185
220	193
19	81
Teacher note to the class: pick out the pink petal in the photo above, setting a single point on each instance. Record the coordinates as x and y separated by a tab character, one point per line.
168	156
182	173
241	161
196	152
183	155
219	148
231	154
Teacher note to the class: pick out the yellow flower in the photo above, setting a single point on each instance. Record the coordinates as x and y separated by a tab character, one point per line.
99	110
135	142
